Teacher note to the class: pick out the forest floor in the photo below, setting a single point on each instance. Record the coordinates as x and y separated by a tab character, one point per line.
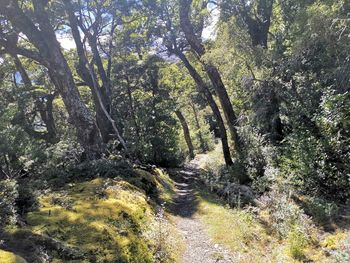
198	245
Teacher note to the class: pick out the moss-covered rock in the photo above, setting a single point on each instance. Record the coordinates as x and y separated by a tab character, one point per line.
104	220
9	257
101	217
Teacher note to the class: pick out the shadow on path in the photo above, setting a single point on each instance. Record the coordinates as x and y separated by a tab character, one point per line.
185	203
199	248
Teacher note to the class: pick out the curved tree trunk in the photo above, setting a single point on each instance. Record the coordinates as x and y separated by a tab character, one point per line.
50	55
212	72
186	131
209	97
102	120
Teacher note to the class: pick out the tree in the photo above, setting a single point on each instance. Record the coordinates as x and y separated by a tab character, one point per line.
40	33
175	45
194	40
254	15
43	104
90	22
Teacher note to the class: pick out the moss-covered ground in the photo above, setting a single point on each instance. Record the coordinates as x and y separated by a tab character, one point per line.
9	257
101	219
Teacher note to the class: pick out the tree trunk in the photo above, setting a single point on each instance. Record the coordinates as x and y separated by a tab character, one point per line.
132	107
258	27
203	144
51	56
103	123
43	105
46	114
212	72
202	88
186	131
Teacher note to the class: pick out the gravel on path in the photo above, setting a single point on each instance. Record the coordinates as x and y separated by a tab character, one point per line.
199	247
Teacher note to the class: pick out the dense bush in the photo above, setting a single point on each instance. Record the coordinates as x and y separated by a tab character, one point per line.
8	197
284	213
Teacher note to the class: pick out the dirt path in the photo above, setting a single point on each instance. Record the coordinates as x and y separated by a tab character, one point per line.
199	247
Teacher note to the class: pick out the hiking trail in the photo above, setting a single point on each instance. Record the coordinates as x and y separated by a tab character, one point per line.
199	248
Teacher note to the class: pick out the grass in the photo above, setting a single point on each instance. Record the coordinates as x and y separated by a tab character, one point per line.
249	240
249	235
166	186
236	229
173	239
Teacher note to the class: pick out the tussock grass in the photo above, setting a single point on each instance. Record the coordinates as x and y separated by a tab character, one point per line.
236	229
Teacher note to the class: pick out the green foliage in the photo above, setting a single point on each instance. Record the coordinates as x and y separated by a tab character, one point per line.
283	213
291	96
8	197
320	210
150	127
307	163
296	242
27	199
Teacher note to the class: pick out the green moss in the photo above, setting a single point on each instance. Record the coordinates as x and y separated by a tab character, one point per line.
105	220
8	257
165	185
95	212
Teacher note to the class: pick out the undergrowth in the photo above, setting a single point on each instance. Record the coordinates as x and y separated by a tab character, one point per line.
280	225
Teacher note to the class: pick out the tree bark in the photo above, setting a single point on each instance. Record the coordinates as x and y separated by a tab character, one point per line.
186	131
44	39
102	121
212	72
43	105
202	88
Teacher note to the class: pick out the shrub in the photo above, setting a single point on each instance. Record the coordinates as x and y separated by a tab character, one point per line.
296	242
27	199
8	196
319	209
284	213
342	251
160	235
